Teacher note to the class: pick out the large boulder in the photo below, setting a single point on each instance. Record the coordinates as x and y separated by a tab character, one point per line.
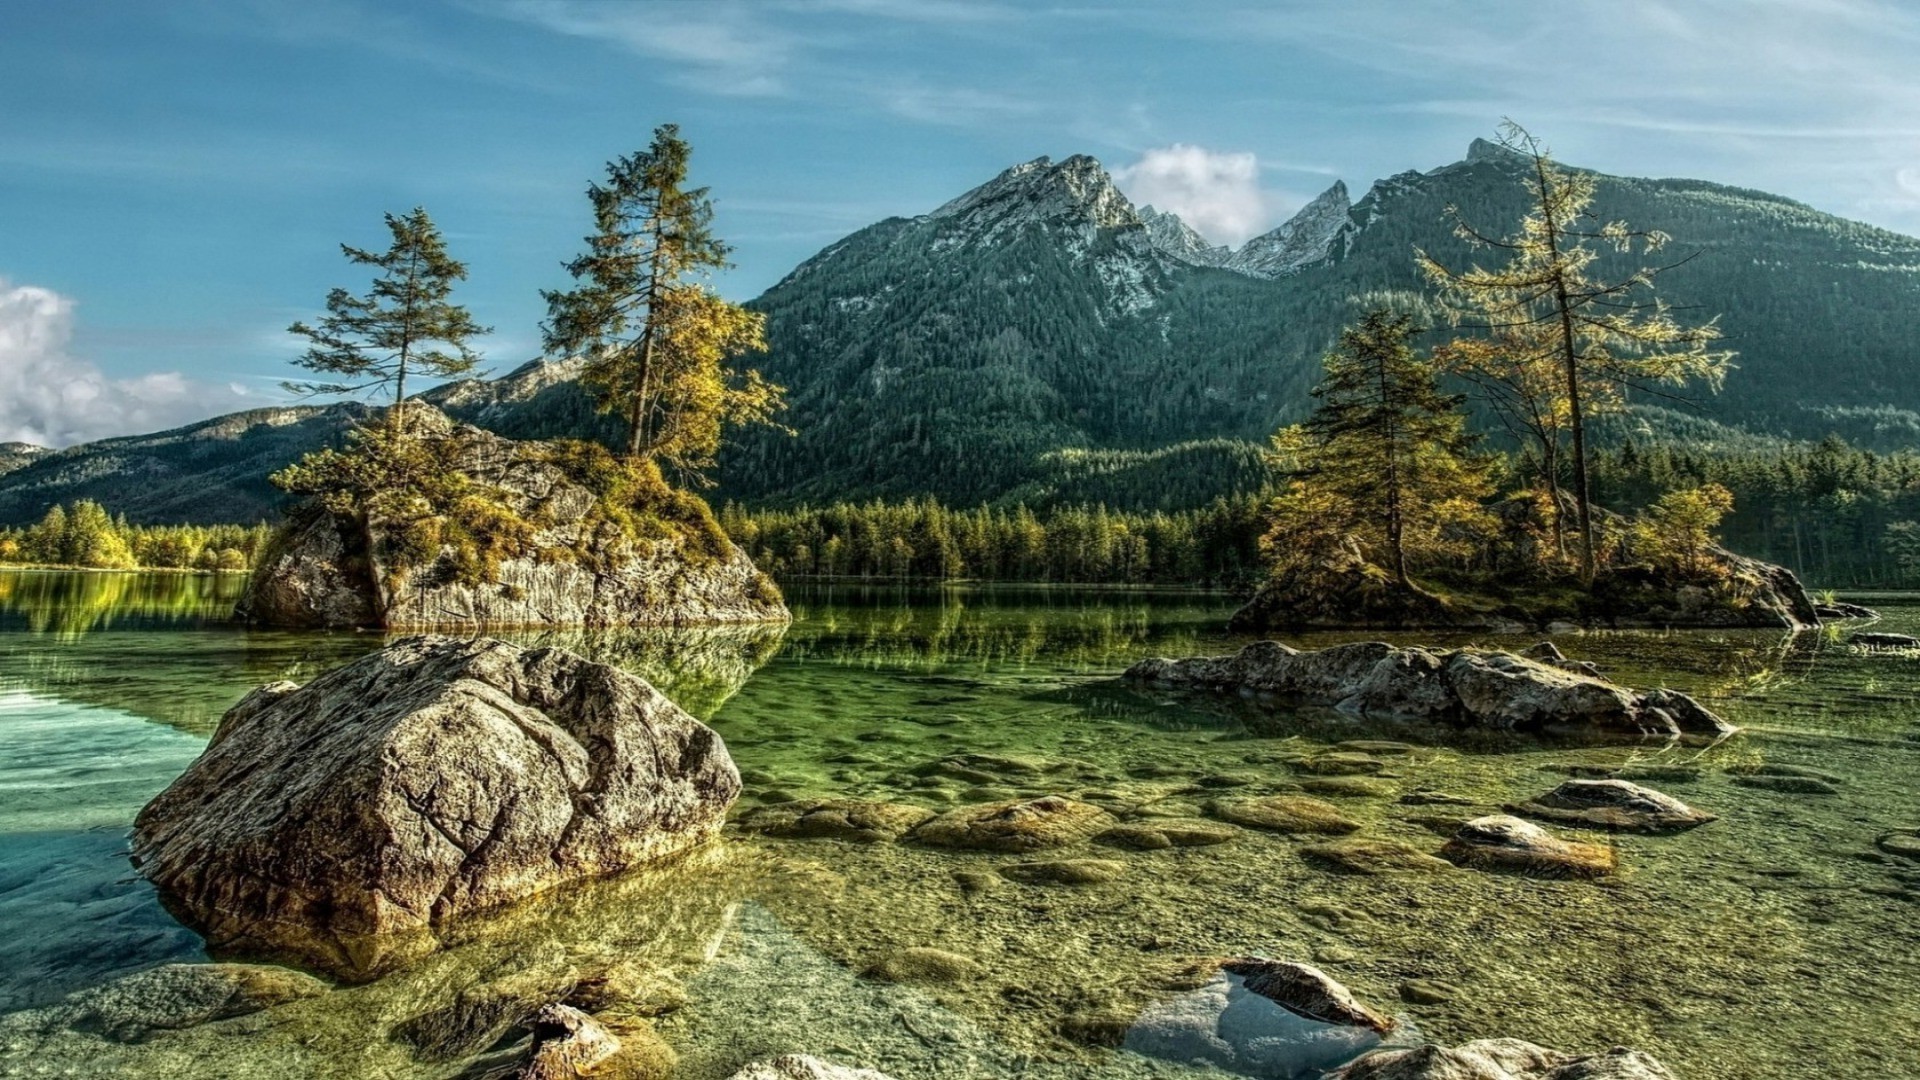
340	822
1476	688
579	564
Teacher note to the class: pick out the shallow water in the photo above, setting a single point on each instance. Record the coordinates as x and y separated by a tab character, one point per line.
1777	941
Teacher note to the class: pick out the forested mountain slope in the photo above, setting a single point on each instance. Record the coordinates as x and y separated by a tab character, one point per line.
1041	339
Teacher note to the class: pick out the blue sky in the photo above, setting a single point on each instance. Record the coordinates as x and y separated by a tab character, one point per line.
175	178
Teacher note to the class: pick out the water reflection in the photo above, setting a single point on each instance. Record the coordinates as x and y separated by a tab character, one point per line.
71	603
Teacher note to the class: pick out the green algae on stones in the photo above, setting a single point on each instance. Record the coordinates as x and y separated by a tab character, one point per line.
835	819
1018	825
1499	842
1362	855
1613	804
1293	814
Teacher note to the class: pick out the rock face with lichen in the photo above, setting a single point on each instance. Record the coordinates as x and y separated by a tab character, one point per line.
578	567
333	822
1468	687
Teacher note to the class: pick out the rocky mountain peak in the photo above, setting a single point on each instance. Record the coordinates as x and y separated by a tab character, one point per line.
1170	234
1487	150
1076	193
1304	239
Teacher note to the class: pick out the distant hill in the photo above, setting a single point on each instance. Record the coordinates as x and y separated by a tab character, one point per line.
15	454
1040	338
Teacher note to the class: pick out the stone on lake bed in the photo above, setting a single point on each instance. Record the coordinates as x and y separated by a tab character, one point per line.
1346	787
174	996
1340	763
1306	991
1501	1059
1902	842
1429	797
836	819
1065	872
804	1067
1017	825
342	822
924	965
1361	855
1157	834
1500	842
1292	814
567	1044
1613	804
1786	784
1884	641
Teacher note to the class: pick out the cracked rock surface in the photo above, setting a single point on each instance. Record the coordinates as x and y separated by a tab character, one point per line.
338	823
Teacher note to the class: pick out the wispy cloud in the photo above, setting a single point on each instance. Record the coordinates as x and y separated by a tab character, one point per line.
725	48
1217	193
52	398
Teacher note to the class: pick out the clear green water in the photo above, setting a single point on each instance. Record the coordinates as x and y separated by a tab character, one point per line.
1776	942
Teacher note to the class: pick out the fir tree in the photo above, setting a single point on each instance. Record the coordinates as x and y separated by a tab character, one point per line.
405	324
657	340
1385	457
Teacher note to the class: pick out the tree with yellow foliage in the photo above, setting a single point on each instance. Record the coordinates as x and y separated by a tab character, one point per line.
1563	337
1385	461
656	339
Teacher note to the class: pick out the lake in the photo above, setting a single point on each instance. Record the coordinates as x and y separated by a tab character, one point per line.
1777	941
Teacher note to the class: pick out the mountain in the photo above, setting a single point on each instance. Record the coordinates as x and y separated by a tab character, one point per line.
1041	338
960	355
15	454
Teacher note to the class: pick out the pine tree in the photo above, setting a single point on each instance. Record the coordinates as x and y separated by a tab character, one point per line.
1605	336
1385	457
404	325
656	340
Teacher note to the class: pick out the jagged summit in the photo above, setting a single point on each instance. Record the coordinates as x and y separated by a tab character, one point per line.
1076	192
1306	238
1175	237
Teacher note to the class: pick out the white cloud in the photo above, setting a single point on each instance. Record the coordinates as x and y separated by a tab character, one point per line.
1219	194
52	398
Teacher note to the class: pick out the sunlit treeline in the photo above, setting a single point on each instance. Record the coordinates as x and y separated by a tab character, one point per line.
925	540
85	534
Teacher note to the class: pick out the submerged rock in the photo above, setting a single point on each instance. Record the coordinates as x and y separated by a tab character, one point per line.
1902	842
1613	804
1884	641
339	822
1282	1021
804	1067
175	996
1306	991
924	965
567	1045
1364	856
579	568
1065	872
1292	814
1839	610
1155	834
1467	687
1018	825
836	819
1501	1059
1499	842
